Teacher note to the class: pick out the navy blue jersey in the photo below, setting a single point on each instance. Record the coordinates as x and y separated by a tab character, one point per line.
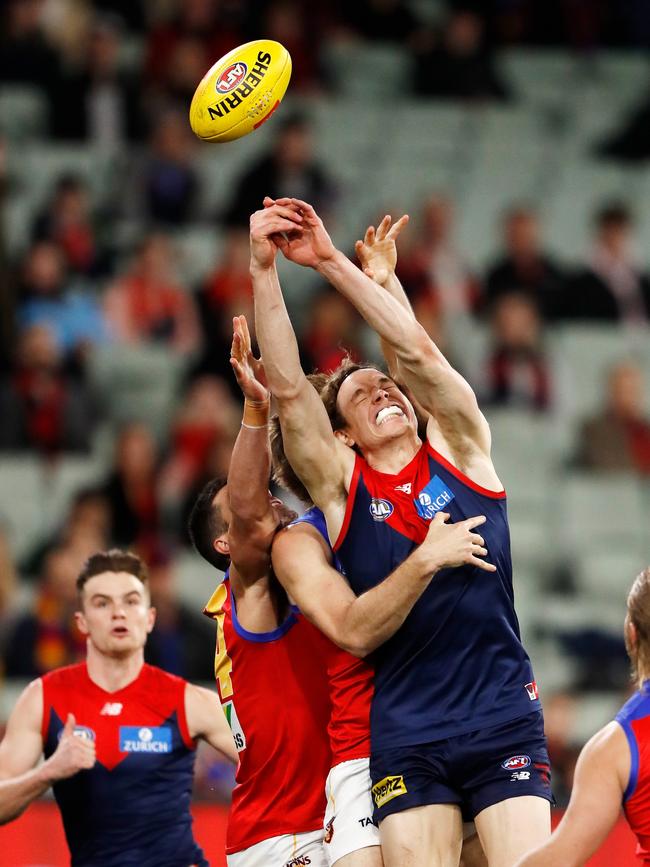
132	809
457	663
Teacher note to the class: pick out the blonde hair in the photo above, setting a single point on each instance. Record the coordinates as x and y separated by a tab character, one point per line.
638	614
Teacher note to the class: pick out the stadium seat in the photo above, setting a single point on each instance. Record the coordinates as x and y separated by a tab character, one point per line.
199	248
195	579
24	502
367	71
24	112
608	575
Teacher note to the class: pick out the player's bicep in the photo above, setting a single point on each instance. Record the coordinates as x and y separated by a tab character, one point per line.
22	745
596	797
301	564
319	459
250	545
207	721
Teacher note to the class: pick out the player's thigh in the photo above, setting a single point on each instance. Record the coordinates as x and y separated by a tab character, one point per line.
512	828
287	850
369	857
428	836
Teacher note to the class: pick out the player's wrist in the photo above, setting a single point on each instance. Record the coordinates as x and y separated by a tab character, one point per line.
45	774
330	263
256	413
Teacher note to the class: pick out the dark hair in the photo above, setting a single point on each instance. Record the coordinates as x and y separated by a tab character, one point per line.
613	214
114	560
206	524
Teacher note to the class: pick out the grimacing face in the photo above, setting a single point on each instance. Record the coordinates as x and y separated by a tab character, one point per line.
116	613
374	408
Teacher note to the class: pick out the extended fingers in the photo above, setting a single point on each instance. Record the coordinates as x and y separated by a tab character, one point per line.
397	227
369	237
483	564
476	521
383	227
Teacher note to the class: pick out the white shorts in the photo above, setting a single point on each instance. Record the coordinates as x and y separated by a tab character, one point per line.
348	816
288	850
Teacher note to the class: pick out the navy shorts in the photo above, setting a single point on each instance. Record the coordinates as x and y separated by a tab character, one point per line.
473	770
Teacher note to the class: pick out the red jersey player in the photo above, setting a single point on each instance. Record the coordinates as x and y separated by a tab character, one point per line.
118	735
613	770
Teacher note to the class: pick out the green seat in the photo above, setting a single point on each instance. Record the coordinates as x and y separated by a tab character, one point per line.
24	112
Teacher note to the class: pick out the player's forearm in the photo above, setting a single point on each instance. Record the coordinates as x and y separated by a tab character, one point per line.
275	335
17	794
250	466
381	310
395	288
377	614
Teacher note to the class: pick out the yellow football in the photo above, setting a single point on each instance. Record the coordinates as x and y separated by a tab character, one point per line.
240	91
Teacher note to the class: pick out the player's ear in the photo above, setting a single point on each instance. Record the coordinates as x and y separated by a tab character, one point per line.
151	619
221	546
345	438
80	621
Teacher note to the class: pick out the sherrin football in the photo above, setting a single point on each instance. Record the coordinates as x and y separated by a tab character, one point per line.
240	91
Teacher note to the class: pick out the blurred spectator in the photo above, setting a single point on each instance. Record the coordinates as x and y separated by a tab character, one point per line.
182	640
8	576
214	25
618	437
431	266
7	287
26	56
48	637
524	266
560	713
169	178
42	407
517	371
67	221
73	315
380	20
147	305
216	466
458	65
132	491
289	170
331	334
612	287
99	103
226	292
296	25
188	63
207	415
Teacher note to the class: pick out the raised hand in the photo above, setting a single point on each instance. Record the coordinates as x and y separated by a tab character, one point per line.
378	251
450	545
73	754
249	371
266	227
310	245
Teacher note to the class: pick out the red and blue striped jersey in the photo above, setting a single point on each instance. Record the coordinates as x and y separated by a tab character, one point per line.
132	809
634	718
457	663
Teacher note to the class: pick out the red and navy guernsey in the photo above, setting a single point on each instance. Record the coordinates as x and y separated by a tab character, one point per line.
457	663
132	809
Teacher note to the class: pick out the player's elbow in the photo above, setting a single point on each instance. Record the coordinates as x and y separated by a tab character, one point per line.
419	350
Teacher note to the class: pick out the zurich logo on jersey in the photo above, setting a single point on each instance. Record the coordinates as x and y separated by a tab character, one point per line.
434	497
380	509
145	739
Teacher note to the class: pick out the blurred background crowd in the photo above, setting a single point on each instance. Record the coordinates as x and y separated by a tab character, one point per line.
515	134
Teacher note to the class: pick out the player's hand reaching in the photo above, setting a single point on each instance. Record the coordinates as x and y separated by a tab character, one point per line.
274	222
73	754
310	245
449	545
378	251
249	370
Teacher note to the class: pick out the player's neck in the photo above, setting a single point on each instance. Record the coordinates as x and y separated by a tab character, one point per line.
113	673
393	456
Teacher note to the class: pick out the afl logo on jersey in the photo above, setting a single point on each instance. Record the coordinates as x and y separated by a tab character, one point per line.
380	510
516	763
82	732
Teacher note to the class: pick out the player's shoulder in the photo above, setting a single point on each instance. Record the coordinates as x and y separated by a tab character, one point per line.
152	676
607	751
66	676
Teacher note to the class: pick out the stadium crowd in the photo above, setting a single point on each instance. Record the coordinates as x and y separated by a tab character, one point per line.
98	276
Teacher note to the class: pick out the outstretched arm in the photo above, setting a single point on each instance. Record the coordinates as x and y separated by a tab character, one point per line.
323	464
21	782
253	522
302	562
601	777
439	389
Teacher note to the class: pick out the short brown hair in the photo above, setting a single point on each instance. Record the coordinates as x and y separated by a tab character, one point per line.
638	613
114	560
206	523
329	390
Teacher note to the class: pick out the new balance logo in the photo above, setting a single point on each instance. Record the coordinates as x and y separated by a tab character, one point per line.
111	708
406	489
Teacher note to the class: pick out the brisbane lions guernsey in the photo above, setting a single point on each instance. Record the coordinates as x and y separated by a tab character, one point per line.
350	682
634	718
132	809
273	690
457	663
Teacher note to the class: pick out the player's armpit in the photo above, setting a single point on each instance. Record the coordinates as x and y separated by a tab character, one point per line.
207	721
600	780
